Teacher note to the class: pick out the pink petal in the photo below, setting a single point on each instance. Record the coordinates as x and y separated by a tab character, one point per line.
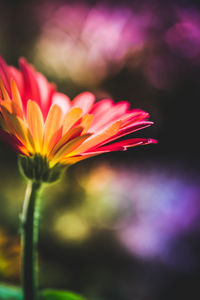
131	143
101	107
109	116
85	101
16	75
132	128
30	86
121	145
46	91
4	75
62	101
134	116
124	131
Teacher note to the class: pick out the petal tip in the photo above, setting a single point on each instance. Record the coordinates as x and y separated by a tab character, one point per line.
152	141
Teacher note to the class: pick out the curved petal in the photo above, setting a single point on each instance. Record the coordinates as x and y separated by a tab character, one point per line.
47	91
130	129
62	101
35	123
71	117
5	74
85	101
71	134
30	84
122	145
97	139
16	75
69	147
109	116
86	122
52	124
16	98
101	107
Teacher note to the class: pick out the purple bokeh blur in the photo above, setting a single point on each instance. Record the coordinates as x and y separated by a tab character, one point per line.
149	207
165	206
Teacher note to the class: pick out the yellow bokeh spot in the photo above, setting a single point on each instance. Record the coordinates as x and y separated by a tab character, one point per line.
98	179
72	227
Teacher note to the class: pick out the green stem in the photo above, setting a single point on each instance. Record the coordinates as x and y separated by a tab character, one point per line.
29	236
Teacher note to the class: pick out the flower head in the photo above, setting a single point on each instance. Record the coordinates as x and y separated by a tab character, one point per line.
38	121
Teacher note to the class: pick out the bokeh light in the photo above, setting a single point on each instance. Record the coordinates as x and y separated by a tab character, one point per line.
9	256
95	39
184	37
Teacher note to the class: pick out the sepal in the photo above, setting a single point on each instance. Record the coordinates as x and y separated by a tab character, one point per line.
37	168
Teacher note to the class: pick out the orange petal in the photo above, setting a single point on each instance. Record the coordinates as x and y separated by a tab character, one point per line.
7	104
97	139
86	122
75	159
12	107
52	124
35	123
54	140
69	147
15	94
17	127
6	120
3	90
74	132
23	150
12	124
71	118
30	141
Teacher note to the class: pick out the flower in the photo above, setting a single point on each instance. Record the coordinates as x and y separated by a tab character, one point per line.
40	122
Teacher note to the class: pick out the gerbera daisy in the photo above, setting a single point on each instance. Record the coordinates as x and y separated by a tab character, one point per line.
43	124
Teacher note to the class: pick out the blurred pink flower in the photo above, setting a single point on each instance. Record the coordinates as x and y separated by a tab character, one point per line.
86	42
184	37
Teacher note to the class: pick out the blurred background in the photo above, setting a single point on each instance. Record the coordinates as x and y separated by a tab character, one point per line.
121	226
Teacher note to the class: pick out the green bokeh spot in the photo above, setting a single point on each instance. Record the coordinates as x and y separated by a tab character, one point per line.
10	293
59	295
14	293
